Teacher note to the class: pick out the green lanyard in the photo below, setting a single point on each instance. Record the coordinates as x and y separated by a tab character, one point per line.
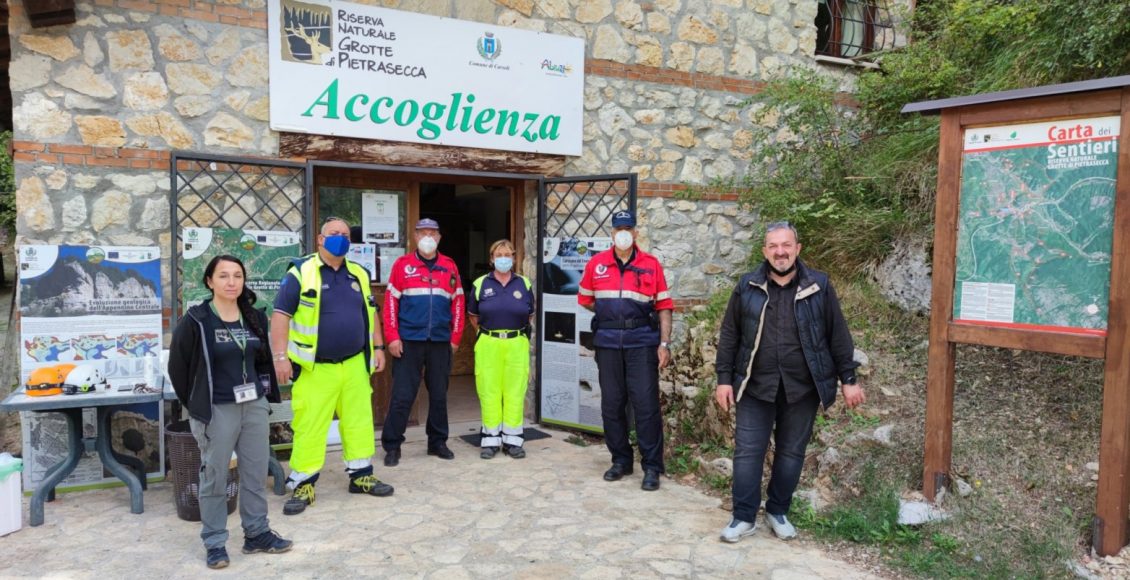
239	339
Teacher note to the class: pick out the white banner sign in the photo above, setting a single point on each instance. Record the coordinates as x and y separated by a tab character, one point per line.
376	73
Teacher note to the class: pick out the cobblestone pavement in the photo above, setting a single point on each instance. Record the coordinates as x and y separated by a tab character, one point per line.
549	515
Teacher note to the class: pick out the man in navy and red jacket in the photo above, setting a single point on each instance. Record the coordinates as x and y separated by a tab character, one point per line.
423	323
627	292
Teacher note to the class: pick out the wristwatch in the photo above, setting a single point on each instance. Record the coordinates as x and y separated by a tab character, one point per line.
664	345
378	347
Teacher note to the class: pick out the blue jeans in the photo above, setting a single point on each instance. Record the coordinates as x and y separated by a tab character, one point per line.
791	426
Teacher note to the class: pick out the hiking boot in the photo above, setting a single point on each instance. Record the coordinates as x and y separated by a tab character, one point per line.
781	526
392	458
441	451
371	485
303	496
617	471
268	542
516	452
488	452
650	480
218	558
737	529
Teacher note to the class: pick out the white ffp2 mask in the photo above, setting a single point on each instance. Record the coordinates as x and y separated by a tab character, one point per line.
623	240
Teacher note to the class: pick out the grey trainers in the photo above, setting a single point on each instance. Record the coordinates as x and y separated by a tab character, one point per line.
780	526
737	529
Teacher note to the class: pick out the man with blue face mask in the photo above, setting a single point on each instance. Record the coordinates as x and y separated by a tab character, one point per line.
325	332
627	291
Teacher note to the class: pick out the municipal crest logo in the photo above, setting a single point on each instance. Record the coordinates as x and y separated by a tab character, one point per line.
517	295
489	47
488	292
409	269
601	269
307	33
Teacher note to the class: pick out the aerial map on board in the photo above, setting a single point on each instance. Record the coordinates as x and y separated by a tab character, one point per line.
266	256
1035	225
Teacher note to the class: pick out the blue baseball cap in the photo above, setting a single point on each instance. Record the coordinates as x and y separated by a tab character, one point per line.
427	224
623	219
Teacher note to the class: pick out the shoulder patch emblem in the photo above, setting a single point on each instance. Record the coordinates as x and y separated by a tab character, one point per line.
409	269
517	295
601	269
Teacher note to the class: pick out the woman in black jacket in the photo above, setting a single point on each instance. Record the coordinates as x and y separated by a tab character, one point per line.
220	366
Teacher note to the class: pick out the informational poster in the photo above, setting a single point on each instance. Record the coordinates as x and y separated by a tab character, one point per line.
365	255
380	219
570	393
388	257
1036	223
265	255
94	307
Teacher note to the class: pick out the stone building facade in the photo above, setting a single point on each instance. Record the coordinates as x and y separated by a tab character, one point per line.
99	105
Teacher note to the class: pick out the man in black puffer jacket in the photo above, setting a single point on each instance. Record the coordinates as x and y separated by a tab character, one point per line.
785	344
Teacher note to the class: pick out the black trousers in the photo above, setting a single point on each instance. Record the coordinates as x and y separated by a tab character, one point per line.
631	375
432	362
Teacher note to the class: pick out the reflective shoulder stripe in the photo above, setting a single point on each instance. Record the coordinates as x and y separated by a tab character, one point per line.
527	282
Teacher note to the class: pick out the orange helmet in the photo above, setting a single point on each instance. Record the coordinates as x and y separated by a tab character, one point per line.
45	381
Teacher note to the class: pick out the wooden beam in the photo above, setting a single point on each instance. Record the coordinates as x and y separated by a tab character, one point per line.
1113	502
328	148
940	365
1090	346
43	13
1043	109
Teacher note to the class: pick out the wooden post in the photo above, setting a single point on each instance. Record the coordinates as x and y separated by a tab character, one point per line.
1113	503
939	373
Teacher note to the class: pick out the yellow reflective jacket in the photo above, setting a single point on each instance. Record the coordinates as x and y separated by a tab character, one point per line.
302	340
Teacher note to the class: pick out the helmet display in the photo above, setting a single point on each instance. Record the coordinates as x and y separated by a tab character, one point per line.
44	381
84	379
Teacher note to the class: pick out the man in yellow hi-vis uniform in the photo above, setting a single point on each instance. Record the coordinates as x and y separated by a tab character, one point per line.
325	332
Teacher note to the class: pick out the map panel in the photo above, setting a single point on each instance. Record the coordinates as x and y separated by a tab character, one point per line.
265	255
1035	226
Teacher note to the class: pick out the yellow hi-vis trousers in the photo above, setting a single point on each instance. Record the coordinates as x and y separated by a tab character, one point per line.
502	371
319	393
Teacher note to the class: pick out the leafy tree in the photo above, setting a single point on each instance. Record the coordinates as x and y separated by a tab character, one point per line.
7	183
853	178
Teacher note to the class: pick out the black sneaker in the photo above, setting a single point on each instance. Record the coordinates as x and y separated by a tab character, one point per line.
392	458
516	452
488	452
218	558
303	496
268	542
371	485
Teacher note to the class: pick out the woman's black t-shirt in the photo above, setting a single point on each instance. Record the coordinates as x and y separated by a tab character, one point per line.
229	361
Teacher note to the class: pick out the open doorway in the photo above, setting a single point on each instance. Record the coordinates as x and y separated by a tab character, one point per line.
471	217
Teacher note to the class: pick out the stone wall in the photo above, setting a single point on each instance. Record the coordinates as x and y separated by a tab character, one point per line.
98	106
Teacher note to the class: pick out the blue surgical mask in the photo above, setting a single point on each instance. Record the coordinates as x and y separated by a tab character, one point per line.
336	245
503	264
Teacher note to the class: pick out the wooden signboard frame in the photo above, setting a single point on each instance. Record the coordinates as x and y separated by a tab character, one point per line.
1104	97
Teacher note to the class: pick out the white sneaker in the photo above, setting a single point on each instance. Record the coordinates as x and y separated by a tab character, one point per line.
781	526
737	529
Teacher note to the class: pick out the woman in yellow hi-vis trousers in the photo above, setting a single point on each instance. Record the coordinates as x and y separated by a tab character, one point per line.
500	306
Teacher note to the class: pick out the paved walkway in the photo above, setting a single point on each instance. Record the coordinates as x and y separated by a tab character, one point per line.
547	516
